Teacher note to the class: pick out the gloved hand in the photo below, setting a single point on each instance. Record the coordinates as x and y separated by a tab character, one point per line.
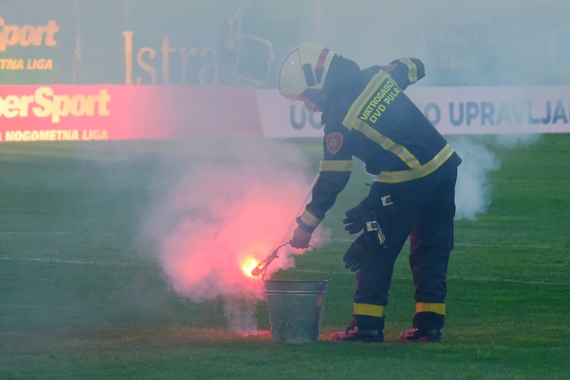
301	238
362	251
356	218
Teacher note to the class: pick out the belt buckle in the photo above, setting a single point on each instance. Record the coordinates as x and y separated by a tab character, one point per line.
372	226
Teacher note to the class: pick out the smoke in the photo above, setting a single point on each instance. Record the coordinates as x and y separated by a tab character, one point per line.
462	42
473	189
511	141
240	314
225	213
473	192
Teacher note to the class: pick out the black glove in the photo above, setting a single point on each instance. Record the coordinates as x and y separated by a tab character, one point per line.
357	217
362	251
366	211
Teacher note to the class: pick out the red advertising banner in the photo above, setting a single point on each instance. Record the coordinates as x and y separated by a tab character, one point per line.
119	112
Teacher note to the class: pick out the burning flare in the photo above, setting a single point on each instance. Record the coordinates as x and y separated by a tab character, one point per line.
248	266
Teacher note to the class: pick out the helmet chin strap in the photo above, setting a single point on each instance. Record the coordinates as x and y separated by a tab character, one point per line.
310	105
313	99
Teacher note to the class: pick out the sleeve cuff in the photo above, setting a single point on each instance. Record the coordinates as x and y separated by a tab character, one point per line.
305	227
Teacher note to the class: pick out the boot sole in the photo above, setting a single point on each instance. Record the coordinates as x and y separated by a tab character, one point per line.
358	340
362	339
425	339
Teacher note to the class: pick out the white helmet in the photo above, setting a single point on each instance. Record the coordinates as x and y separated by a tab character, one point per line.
305	67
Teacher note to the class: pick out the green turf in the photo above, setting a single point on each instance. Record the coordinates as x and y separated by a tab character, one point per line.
81	298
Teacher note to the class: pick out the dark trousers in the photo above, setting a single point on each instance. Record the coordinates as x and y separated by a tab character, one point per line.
423	210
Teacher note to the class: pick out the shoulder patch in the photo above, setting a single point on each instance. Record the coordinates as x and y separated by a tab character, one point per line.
389	67
334	142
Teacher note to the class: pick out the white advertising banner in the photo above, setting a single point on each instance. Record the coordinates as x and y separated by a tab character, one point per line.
453	110
495	110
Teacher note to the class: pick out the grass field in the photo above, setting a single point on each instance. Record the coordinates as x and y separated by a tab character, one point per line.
79	299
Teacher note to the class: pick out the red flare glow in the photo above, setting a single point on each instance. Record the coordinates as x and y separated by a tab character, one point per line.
223	232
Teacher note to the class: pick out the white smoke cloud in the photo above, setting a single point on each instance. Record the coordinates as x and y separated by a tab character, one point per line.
225	214
512	141
474	189
240	314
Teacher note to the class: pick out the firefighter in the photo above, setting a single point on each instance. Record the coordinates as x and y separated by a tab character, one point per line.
366	115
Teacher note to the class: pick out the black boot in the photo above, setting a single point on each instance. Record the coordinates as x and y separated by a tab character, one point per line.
426	327
362	329
422	335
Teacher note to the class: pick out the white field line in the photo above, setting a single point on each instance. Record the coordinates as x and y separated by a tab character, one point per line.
71	262
344	273
328	240
347	273
476	245
485	279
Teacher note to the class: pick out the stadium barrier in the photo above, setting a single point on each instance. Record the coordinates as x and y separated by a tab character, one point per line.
121	112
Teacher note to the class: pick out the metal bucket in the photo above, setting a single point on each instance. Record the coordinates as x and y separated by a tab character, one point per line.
295	309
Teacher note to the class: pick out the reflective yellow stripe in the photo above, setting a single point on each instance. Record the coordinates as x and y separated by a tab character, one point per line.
412	70
368	309
309	219
335	166
381	237
418	172
390	146
438	308
351	119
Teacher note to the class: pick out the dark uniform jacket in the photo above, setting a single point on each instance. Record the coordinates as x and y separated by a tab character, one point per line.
367	115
